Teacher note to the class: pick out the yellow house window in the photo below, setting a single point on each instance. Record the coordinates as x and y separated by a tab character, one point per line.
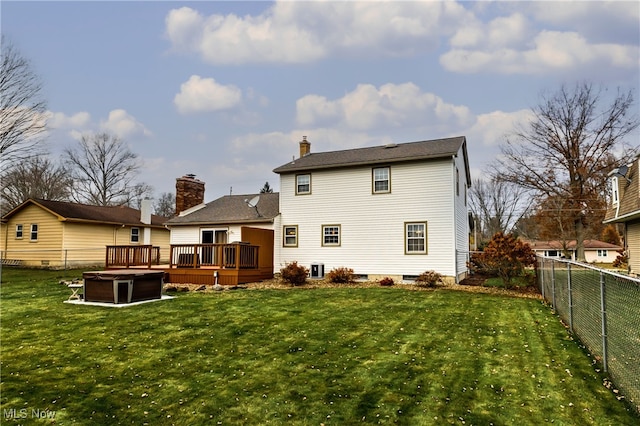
34	232
19	232
135	235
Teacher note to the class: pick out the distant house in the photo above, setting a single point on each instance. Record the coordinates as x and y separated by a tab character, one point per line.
625	208
395	210
57	234
594	251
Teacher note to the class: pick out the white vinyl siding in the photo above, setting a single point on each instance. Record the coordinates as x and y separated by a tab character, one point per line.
461	218
375	243
191	234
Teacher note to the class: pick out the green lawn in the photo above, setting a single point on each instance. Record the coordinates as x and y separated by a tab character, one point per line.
300	356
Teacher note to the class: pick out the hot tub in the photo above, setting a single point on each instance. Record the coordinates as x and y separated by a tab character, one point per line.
122	285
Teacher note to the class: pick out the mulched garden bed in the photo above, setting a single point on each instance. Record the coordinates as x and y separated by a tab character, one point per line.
472	284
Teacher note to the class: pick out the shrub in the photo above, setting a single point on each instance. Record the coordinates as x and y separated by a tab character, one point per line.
622	260
505	256
294	274
429	279
386	281
340	275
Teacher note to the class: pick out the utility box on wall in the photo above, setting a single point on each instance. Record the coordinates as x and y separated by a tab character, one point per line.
317	270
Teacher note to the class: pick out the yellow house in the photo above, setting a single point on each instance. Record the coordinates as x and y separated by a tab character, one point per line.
62	234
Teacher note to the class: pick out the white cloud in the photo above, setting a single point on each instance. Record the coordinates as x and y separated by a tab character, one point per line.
510	31
493	127
59	120
488	133
551	51
298	32
286	145
389	106
579	38
183	28
123	124
205	94
599	21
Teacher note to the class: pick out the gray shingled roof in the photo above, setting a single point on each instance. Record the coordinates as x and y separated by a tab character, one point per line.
571	245
431	149
74	212
232	209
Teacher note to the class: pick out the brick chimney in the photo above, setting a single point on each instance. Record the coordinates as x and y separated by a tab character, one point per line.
305	147
189	192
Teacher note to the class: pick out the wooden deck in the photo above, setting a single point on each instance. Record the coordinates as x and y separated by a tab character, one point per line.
205	264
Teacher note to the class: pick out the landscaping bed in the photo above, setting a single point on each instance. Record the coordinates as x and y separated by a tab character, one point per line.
472	284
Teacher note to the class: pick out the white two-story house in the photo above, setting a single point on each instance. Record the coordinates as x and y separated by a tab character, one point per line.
387	211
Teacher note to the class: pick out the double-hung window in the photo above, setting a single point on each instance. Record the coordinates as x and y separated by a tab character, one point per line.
415	237
135	235
330	235
381	180
602	253
34	232
303	184
614	191
19	231
290	236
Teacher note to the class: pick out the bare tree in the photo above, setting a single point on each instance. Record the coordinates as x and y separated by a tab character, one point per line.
22	108
104	171
567	149
165	205
497	205
37	177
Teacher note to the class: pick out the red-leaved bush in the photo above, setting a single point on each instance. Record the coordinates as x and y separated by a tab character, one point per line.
505	256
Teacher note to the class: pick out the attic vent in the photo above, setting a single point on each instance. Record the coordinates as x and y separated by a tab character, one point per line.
391	145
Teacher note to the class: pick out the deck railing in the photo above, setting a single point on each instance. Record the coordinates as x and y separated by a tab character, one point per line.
230	256
127	256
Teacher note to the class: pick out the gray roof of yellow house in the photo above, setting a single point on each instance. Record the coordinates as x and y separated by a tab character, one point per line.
628	194
231	209
383	154
74	212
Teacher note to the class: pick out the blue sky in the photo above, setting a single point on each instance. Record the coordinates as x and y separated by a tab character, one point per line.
225	90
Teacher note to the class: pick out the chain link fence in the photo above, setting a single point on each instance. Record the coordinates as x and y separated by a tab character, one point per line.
54	258
602	309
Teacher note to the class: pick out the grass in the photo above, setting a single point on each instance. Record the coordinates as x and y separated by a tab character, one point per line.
307	357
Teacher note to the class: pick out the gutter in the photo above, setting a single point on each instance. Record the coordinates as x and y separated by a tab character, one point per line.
623	218
226	222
